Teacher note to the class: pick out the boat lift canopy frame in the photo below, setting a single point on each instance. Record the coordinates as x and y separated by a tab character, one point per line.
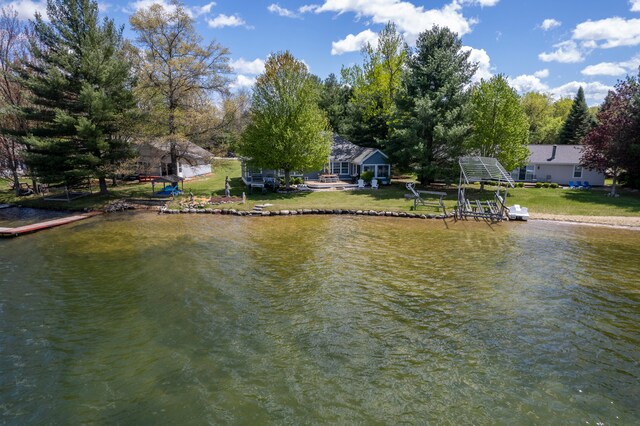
483	170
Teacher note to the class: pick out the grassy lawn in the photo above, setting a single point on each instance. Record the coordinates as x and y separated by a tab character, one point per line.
391	197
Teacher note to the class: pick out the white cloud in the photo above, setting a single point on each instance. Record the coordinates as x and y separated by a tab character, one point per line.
278	10
528	83
192	11
481	57
612	32
566	52
613	69
27	8
243	66
353	43
542	73
593	92
483	3
242	81
410	19
547	24
223	20
635	5
308	8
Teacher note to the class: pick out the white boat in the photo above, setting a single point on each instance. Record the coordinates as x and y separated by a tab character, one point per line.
518	213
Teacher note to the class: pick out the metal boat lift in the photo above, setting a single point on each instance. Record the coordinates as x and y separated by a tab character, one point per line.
483	169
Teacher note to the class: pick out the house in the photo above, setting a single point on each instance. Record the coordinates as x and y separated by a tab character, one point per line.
155	159
556	163
346	161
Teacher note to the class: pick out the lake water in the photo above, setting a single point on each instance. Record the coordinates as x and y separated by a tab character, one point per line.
12	217
140	318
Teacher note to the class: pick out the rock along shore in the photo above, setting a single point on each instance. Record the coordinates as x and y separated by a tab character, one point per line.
268	213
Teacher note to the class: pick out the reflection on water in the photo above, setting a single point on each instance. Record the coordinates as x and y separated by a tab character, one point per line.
322	319
12	217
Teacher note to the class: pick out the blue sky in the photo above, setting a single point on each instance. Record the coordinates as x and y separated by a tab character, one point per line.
551	46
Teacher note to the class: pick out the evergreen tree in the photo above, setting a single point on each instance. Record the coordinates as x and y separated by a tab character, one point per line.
334	98
500	126
288	131
578	123
80	84
432	121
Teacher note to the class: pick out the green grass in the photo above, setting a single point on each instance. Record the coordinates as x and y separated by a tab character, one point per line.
391	197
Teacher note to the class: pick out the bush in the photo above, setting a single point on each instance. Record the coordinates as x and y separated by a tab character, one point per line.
545	185
520	184
553	185
367	176
538	184
297	181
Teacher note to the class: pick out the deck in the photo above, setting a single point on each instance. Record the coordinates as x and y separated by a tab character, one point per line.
35	227
316	185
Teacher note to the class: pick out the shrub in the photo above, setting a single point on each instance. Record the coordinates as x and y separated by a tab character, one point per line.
538	184
367	176
545	185
520	184
553	185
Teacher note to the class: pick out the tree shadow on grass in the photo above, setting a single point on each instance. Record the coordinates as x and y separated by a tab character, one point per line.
626	201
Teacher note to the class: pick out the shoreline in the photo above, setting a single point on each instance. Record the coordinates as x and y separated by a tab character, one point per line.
617	222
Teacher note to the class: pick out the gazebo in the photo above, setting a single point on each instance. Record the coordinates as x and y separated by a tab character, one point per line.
483	170
173	182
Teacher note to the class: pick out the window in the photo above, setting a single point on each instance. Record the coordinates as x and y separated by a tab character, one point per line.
383	170
344	168
335	167
577	171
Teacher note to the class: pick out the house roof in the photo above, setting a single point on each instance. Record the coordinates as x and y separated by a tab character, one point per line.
187	150
345	151
564	154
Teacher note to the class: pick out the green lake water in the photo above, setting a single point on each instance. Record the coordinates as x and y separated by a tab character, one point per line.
147	319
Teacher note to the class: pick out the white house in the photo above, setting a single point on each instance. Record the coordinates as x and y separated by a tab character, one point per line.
556	163
155	159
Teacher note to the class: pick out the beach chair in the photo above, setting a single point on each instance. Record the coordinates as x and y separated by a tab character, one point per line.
374	183
579	184
586	185
360	184
572	185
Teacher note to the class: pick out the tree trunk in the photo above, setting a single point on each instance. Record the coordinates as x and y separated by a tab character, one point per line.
103	185
614	184
287	179
16	181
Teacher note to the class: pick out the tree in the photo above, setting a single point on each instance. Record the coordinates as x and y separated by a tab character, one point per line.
80	85
432	120
176	73
545	116
500	126
334	99
13	49
578	123
288	131
614	144
374	88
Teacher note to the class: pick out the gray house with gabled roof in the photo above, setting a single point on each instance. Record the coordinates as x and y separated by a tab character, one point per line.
347	160
556	163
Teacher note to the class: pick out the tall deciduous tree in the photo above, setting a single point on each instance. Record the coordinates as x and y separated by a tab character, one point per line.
13	49
500	126
614	144
374	88
578	123
288	131
80	82
176	73
432	121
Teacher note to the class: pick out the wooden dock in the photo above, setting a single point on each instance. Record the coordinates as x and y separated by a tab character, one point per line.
35	227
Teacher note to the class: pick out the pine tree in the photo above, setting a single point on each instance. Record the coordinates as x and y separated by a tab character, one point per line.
80	83
578	123
432	119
